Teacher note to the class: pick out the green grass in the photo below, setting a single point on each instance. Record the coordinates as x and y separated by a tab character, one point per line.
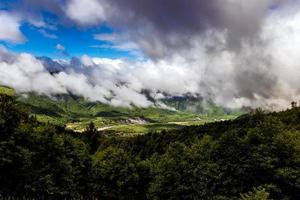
129	130
6	90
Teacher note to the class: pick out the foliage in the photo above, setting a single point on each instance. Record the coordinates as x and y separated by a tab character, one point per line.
7	91
258	152
257	194
116	175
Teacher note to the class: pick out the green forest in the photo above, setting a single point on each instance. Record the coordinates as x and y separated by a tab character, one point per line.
253	157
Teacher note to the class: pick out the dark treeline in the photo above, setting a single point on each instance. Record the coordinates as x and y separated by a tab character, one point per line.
255	157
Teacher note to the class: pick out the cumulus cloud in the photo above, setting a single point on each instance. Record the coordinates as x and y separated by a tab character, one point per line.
162	27
26	73
87	12
241	52
10	28
32	12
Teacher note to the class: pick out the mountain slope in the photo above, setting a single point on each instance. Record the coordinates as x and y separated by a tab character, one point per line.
76	113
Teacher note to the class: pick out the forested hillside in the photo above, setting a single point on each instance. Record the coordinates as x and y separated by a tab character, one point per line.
256	156
75	113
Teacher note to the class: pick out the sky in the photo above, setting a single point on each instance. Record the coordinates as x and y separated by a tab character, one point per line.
41	42
40	32
233	52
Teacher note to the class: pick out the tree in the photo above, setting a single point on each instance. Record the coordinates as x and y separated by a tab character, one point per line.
294	104
92	135
116	175
10	115
257	194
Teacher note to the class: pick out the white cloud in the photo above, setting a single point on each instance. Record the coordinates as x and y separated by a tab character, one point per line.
10	28
119	42
25	74
96	83
85	12
107	37
86	60
47	34
60	47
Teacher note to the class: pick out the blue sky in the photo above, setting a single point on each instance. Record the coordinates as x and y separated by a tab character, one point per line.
77	40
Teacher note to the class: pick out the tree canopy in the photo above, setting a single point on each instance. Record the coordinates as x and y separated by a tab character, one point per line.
256	156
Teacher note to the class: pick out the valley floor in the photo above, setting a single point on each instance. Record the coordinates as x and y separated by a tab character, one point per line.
132	129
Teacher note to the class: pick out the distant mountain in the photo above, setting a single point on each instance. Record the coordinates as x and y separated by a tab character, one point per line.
51	65
198	105
56	66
